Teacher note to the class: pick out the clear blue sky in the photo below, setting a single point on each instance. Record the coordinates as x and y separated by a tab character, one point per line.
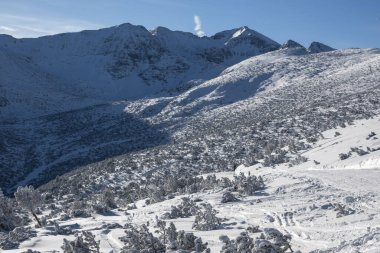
339	23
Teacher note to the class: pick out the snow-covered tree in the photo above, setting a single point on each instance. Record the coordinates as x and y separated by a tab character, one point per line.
228	197
139	239
229	246
206	219
161	229
271	241
185	209
248	185
280	242
29	199
83	243
186	241
199	246
8	218
171	235
244	243
15	237
108	198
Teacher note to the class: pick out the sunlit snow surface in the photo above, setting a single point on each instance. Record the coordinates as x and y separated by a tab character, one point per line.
292	202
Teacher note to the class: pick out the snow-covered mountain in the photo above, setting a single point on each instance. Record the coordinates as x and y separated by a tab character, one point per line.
47	83
72	99
123	116
68	71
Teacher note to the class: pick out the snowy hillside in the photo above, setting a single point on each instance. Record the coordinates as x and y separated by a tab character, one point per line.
304	201
123	62
49	82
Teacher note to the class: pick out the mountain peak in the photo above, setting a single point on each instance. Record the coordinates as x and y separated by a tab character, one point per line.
291	44
246	36
317	47
244	30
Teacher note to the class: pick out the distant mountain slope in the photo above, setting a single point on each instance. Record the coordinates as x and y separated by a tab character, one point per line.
122	62
73	99
228	120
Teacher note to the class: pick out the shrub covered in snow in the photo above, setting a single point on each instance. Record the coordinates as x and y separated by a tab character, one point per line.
248	185
228	197
343	210
8	217
83	243
185	209
16	236
79	209
63	230
206	219
139	239
343	156
271	241
189	242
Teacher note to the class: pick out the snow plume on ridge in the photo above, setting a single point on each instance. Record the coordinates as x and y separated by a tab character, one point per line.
198	26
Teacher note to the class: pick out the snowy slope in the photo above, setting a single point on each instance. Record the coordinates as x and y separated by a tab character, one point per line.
121	62
298	201
251	82
87	74
256	76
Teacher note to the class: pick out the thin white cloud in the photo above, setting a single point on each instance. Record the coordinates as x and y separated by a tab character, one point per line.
30	27
6	29
198	26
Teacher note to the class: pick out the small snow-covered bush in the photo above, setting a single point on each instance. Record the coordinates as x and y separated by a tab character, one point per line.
15	237
104	202
31	251
343	210
189	242
370	135
206	219
343	156
21	234
279	241
242	243
200	247
62	230
253	229
228	197
248	185
359	151
139	239
79	209
297	160
6	243
108	198
185	209
83	243
271	241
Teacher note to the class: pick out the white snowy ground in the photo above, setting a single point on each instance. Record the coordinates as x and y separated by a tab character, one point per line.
297	201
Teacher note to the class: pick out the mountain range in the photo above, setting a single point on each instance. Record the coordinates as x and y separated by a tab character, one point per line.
123	129
72	99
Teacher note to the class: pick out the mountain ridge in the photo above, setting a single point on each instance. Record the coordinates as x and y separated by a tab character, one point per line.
65	97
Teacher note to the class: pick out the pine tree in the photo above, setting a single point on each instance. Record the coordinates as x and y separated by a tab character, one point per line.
171	235
84	243
8	218
206	219
29	199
